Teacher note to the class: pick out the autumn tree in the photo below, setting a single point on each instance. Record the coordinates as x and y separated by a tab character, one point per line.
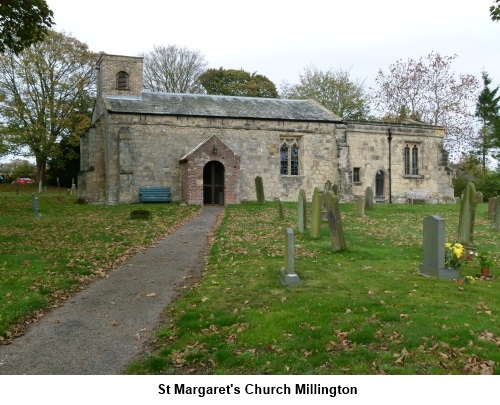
495	11
22	23
488	112
46	97
427	90
173	69
334	89
231	82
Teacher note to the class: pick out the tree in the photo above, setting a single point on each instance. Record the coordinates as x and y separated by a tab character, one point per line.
428	91
495	11
173	69
488	111
46	96
333	89
231	82
23	23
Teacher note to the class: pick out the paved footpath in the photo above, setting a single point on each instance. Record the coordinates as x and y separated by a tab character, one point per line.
102	328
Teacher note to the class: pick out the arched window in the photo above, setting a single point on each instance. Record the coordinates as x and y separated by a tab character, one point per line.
414	160
289	157
411	159
407	159
122	81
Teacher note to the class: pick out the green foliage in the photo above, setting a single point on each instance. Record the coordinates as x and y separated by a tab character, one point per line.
489	185
23	23
231	82
46	97
495	11
333	89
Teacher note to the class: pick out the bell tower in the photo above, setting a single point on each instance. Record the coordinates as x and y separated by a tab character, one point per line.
119	75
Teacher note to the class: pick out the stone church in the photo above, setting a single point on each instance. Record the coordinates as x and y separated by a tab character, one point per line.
209	149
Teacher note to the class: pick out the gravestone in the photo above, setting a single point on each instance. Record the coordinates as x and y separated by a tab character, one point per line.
281	210
467	216
491	207
328	186
316	214
301	211
434	250
73	186
34	204
479	197
335	189
259	189
495	222
369	198
287	274
360	207
335	221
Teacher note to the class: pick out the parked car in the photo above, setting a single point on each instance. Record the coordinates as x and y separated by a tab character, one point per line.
22	180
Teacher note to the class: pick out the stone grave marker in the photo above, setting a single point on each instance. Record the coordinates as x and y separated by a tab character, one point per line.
259	189
34	204
360	206
495	222
335	221
281	209
479	197
328	186
301	211
335	189
287	274
467	216
491	207
369	198
434	250
316	214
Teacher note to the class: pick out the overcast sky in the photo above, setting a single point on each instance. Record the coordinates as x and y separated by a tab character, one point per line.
280	38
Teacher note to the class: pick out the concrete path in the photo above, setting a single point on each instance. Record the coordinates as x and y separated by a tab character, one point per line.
102	328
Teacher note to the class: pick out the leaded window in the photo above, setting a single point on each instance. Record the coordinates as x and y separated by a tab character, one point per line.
411	160
289	157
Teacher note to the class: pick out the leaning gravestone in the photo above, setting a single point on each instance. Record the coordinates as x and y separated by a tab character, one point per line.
369	198
360	207
434	250
467	215
335	221
288	275
491	207
301	211
495	222
259	189
316	214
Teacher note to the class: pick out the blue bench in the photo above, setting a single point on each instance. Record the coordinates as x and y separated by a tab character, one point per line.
155	194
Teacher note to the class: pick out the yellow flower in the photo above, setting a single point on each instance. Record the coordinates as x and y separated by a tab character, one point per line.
447	245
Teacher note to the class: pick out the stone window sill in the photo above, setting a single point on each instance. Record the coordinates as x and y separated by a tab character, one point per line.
413	176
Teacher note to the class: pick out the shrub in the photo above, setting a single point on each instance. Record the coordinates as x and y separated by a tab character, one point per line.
140	214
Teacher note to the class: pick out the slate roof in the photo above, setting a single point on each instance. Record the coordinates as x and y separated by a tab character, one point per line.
220	107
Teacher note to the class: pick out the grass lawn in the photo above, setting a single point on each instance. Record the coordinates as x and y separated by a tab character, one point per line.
362	311
43	260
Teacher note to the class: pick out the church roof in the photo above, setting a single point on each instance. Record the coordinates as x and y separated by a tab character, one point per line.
202	105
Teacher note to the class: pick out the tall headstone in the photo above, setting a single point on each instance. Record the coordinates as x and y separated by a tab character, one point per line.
316	214
479	197
434	250
369	198
360	206
259	189
301	211
495	222
334	221
287	274
281	209
467	215
34	204
491	206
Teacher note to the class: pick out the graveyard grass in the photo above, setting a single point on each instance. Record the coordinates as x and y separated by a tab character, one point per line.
44	260
361	311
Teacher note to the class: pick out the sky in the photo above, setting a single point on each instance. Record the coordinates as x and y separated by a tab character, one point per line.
279	39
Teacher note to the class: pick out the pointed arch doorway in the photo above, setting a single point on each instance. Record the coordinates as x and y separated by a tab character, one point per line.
213	183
